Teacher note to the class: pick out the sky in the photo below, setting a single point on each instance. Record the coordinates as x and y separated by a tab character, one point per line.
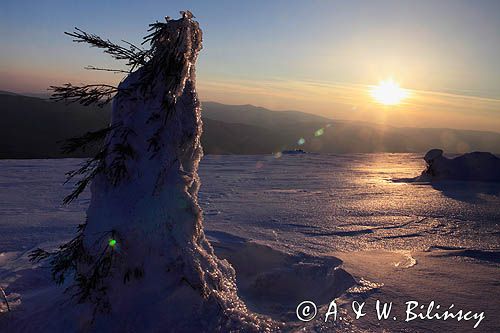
321	57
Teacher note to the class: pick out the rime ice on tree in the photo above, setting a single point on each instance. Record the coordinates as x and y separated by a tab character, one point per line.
142	259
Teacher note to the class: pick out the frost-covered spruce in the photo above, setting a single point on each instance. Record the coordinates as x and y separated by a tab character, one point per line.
141	260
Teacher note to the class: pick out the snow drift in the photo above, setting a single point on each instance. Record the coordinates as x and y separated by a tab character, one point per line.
271	282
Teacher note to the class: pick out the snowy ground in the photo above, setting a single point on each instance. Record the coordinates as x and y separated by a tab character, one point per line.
403	241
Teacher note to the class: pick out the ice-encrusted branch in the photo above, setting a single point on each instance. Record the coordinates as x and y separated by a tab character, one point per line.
172	55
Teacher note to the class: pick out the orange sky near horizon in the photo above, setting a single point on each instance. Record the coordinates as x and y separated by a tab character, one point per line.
332	100
318	57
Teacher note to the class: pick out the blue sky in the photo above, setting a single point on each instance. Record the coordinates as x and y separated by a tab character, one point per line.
270	52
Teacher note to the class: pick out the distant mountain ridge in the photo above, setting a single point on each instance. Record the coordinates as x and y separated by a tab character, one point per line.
32	127
257	116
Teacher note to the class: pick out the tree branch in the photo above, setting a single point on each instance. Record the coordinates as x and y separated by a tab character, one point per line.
88	139
93	68
4	296
134	55
99	94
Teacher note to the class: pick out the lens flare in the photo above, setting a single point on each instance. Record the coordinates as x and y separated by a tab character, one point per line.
319	132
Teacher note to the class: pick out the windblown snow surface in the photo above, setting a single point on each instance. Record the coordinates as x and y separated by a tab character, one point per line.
298	227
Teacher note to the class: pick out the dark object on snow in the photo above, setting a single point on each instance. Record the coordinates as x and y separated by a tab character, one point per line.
475	166
293	152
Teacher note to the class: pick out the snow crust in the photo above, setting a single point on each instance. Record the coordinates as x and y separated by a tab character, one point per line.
335	205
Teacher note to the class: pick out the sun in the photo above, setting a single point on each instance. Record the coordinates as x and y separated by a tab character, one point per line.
388	92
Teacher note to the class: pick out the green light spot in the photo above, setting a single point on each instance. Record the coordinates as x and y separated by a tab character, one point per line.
112	242
301	141
319	132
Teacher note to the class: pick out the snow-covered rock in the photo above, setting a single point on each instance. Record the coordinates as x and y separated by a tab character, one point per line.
475	166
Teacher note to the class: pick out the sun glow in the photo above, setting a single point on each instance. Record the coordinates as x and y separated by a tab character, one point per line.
388	92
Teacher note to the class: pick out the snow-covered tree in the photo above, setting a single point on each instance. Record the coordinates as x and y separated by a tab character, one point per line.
141	260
